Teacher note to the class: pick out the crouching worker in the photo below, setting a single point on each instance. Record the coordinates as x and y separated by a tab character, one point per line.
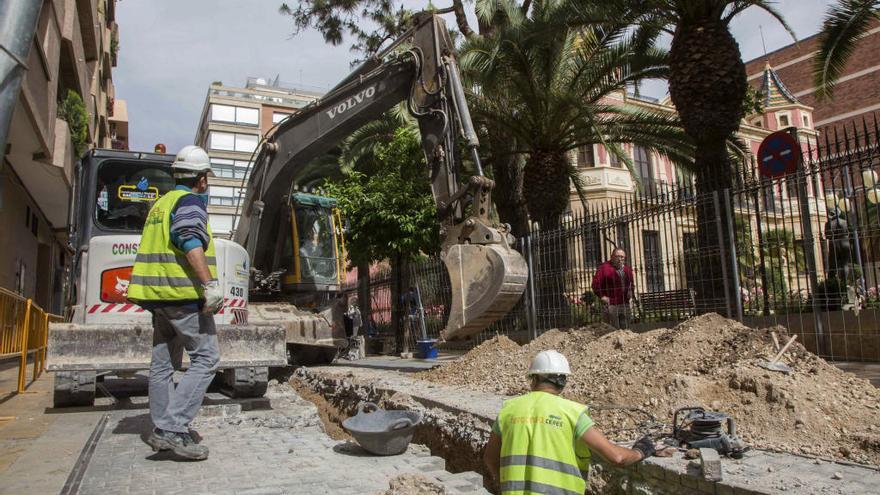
175	278
542	443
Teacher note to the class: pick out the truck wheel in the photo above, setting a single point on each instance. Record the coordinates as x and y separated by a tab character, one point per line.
74	389
244	383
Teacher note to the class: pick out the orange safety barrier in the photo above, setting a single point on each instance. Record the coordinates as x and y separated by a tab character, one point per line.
24	329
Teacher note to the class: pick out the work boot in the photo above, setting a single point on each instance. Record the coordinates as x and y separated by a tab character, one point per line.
180	443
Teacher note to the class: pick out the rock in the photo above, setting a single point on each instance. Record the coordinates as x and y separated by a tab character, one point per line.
837	476
692	454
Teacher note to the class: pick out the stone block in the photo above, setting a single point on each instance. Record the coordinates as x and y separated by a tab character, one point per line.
706	486
710	463
722	489
652	470
689	481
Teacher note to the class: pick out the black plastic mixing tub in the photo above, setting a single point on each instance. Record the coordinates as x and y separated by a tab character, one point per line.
382	432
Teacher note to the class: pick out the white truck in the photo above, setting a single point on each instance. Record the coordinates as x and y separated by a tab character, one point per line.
107	334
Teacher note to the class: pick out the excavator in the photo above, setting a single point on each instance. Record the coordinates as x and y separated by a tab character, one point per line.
282	275
419	68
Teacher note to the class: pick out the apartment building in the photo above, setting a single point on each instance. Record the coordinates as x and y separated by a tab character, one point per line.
233	121
68	78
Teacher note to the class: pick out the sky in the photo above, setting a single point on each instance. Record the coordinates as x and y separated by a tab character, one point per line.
171	50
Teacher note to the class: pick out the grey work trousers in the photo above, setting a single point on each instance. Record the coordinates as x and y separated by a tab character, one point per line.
176	328
617	315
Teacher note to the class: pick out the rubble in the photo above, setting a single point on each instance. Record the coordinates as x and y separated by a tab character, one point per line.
413	484
634	381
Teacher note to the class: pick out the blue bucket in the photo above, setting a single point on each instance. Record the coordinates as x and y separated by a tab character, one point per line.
427	349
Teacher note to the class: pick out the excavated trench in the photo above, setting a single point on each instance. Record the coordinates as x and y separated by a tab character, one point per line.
453	435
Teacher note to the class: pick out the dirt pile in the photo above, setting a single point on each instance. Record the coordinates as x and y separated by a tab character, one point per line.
708	361
413	484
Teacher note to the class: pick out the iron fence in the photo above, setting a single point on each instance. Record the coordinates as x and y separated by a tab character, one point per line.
801	250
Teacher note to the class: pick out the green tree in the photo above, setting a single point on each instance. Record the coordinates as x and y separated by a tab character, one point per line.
390	213
73	111
845	22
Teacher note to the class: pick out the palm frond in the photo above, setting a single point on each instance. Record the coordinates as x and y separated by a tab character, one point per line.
844	24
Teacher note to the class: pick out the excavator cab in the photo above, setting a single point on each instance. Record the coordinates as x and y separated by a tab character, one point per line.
313	253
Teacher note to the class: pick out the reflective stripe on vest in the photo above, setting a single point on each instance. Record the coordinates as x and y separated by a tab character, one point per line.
539	451
161	272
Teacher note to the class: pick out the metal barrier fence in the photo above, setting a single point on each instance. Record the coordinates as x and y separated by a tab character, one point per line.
802	251
24	329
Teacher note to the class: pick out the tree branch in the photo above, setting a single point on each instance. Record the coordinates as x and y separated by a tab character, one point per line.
461	19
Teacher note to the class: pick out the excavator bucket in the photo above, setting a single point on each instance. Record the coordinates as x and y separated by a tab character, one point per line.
487	281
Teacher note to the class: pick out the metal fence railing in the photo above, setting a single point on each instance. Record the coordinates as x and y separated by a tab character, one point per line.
802	251
24	330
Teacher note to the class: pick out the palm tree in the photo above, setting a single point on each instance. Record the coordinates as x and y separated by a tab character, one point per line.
844	24
546	90
707	84
550	89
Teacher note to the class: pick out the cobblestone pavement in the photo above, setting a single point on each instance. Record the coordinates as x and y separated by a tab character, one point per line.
281	450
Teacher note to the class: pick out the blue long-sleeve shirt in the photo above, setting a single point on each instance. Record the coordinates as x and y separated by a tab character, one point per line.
189	222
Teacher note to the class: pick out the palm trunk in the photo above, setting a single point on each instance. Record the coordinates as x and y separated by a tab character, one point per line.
707	84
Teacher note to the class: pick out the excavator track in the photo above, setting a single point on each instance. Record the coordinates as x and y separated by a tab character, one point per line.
487	282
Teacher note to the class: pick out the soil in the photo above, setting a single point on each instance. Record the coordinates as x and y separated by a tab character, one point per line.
413	484
634	383
331	417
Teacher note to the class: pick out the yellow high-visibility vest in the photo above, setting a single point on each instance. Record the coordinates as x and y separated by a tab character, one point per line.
541	450
161	272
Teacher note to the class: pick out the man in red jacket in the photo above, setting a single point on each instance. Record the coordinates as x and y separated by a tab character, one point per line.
613	284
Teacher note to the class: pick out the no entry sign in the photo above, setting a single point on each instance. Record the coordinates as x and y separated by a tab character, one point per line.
778	155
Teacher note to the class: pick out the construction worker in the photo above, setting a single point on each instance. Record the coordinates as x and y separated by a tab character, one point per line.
542	443
175	278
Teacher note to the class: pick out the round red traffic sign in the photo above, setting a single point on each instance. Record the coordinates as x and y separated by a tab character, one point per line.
779	155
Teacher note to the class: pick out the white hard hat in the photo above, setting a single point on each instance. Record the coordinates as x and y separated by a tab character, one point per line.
192	160
549	363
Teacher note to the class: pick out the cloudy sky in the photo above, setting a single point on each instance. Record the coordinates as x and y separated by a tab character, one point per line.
171	50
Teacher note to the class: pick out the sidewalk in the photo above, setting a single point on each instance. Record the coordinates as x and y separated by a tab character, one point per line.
38	447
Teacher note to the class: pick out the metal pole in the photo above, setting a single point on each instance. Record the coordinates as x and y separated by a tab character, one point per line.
734	263
531	309
18	22
721	247
850	193
809	252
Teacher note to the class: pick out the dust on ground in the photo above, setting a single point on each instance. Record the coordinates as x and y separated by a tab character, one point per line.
413	484
708	361
331	417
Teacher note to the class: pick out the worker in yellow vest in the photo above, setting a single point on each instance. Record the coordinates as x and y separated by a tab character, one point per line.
175	278
542	443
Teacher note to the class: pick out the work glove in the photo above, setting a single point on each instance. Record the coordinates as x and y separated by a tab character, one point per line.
645	445
213	297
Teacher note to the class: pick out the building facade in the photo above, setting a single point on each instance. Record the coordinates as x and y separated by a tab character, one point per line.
657	246
68	82
233	121
857	93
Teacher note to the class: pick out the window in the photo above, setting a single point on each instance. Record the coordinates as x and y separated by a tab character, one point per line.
806	121
692	257
613	160
783	120
770	197
621	231
585	157
125	191
225	196
653	261
592	245
642	162
220	224
230	169
238	115
228	141
279	116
